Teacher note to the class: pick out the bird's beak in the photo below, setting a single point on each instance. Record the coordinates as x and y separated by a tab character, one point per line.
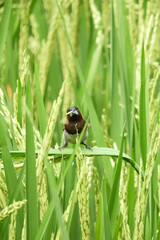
68	113
71	112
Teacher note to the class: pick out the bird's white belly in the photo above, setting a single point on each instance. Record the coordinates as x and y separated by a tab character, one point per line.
72	137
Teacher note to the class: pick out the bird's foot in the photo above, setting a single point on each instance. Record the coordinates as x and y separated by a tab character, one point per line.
61	147
88	147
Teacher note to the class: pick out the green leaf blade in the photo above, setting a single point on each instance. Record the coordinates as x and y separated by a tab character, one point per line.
114	198
4	24
143	110
31	181
7	161
41	108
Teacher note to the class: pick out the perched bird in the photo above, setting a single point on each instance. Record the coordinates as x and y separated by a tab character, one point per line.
73	126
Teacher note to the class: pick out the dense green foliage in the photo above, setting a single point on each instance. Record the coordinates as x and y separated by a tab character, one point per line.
102	56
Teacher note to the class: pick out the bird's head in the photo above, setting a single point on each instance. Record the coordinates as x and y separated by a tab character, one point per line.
73	114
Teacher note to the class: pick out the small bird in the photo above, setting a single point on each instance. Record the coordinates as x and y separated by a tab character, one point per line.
73	126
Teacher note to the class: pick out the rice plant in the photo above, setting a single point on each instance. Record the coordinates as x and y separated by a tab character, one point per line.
103	57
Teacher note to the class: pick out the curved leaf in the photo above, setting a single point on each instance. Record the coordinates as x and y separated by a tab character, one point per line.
100	151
